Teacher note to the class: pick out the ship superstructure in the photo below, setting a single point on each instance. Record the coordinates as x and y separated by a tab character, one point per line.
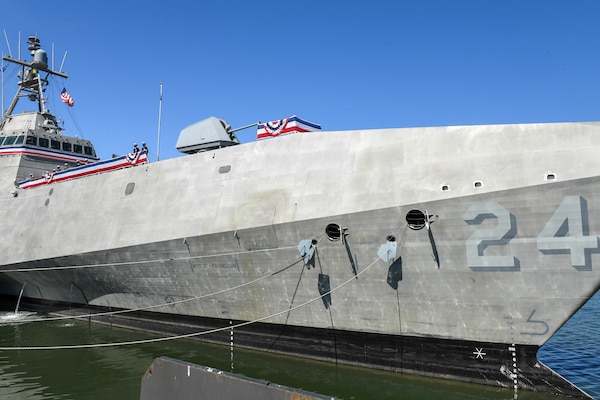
35	138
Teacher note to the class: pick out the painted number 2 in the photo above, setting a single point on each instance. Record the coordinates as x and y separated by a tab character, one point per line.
505	229
566	232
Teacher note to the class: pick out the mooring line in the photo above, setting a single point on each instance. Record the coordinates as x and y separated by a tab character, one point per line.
125	263
189	335
172	303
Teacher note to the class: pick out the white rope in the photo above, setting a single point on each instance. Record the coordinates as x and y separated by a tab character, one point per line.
172	303
189	335
118	264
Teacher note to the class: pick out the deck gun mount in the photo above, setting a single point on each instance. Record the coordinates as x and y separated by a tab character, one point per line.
209	134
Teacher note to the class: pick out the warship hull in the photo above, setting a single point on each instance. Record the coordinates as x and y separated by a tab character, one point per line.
453	252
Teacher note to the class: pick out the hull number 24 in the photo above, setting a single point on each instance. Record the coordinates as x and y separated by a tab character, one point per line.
566	232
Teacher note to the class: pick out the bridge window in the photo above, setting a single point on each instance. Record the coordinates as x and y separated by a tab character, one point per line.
10	140
55	144
2	140
31	140
43	142
77	148
67	146
20	139
88	150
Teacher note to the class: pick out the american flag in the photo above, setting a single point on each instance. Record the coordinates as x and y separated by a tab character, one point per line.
66	98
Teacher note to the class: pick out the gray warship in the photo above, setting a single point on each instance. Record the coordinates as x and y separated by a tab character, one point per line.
451	252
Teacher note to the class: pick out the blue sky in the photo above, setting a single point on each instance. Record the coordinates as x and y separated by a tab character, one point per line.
342	64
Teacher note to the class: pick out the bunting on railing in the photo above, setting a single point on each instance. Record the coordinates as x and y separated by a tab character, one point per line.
125	161
285	126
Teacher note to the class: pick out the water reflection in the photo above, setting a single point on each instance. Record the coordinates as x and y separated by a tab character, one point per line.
116	372
14	317
573	350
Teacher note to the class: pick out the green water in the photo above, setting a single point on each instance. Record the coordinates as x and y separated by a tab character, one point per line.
116	372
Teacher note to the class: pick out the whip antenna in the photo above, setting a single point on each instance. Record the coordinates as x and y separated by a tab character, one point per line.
7	44
159	116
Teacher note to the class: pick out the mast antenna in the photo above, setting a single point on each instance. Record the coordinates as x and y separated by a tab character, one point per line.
7	44
2	69
159	117
63	62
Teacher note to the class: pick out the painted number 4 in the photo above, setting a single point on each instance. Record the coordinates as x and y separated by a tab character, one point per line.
567	232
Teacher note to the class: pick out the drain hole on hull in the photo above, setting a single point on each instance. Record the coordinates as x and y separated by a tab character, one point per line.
333	232
415	219
390	238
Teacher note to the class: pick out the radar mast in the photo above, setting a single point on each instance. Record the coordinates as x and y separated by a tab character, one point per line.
32	84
